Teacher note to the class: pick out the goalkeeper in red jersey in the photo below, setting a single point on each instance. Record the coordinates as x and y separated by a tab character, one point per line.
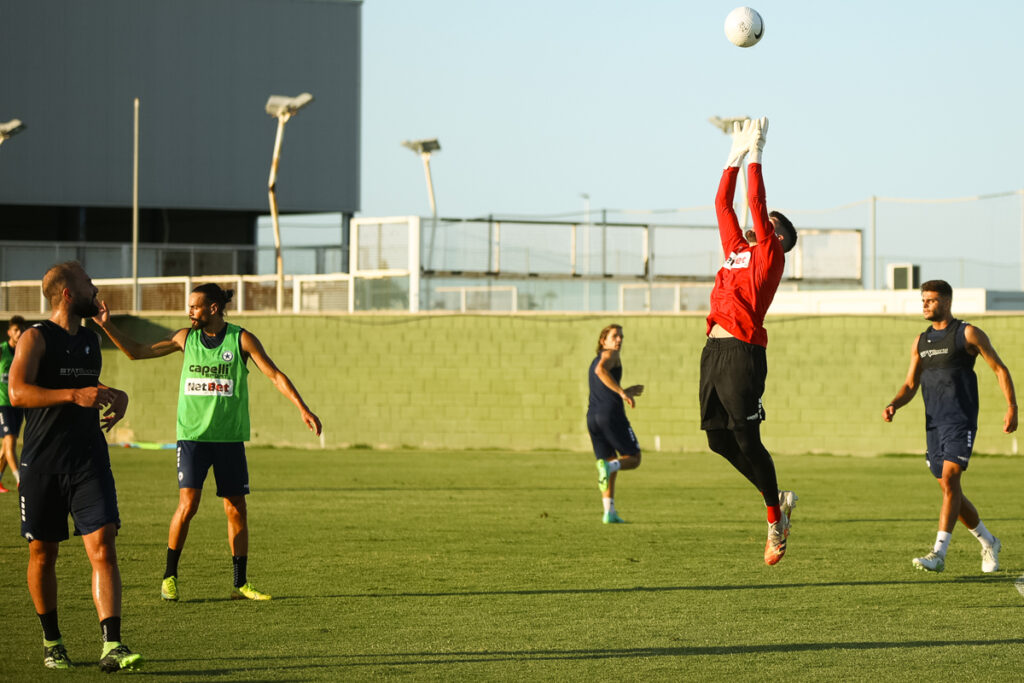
733	364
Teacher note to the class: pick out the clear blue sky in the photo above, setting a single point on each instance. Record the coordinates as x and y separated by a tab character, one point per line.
538	101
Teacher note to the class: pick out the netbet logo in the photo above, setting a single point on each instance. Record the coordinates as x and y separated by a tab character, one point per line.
200	386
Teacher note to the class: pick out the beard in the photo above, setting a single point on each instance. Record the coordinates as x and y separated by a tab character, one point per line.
85	308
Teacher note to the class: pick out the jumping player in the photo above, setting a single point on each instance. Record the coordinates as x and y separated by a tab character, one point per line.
65	465
942	364
733	364
10	417
606	418
213	421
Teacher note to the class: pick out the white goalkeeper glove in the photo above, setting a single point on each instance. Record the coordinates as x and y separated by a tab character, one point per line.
758	135
741	143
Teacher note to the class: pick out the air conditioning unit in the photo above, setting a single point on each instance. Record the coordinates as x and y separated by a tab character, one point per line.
904	276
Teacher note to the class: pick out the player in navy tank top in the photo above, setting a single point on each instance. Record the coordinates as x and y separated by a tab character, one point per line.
610	431
942	365
65	466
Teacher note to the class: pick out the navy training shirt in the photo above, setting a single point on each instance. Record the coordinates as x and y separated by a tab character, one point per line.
602	399
949	385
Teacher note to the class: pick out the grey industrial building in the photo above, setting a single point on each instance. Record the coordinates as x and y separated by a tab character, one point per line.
202	70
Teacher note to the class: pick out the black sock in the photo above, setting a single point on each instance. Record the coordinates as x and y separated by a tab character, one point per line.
172	562
239	561
49	621
111	627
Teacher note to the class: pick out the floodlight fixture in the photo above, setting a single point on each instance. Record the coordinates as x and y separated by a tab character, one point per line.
283	108
282	104
9	128
423	146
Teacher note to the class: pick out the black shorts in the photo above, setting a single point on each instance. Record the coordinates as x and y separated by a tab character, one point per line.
954	443
230	470
732	375
611	433
47	500
10	421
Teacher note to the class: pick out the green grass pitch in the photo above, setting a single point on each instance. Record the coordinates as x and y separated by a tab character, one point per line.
489	565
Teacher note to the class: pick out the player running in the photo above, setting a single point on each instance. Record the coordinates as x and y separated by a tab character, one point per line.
10	417
733	364
213	421
65	465
942	364
606	418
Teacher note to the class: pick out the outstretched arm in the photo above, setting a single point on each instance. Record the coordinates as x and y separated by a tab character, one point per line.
978	341
252	346
728	225
132	348
763	227
906	392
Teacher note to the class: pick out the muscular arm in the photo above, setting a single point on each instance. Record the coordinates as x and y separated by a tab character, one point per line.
758	205
728	225
25	393
132	348
252	346
906	393
978	342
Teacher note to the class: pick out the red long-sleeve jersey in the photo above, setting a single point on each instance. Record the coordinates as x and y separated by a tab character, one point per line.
746	283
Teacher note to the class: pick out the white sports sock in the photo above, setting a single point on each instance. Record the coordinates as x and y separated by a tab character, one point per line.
942	543
609	504
983	535
613	466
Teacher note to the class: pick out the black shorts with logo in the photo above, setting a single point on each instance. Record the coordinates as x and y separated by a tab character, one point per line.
230	471
47	499
732	376
10	421
611	433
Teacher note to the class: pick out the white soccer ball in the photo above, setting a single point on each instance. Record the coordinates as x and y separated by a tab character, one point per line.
744	27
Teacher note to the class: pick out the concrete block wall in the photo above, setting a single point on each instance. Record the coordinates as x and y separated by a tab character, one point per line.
519	382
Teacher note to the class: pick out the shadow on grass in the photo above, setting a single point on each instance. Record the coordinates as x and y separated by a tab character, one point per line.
668	589
426	658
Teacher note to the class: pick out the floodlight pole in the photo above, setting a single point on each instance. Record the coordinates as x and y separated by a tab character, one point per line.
424	148
433	203
282	119
135	212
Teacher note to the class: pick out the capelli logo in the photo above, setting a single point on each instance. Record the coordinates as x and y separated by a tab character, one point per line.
227	356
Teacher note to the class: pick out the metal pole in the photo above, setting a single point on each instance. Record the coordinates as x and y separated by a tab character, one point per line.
433	204
272	194
873	229
135	213
1021	192
586	250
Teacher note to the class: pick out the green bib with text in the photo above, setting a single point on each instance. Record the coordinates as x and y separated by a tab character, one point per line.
213	399
6	358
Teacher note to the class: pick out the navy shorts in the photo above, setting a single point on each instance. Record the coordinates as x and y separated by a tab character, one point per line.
732	376
611	433
230	470
952	443
10	421
47	500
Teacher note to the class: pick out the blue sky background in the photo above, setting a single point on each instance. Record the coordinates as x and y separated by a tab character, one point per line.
538	101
